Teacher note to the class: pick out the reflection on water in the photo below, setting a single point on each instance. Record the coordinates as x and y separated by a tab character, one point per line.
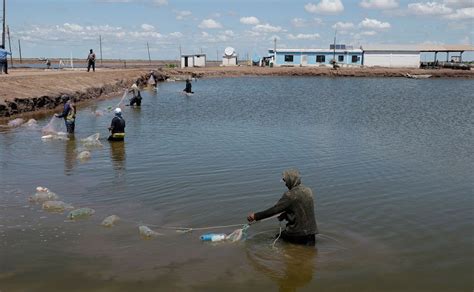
289	266
390	162
70	155
117	154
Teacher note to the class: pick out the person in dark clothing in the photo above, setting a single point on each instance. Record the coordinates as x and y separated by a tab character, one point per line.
137	97
91	61
117	127
188	88
69	114
296	206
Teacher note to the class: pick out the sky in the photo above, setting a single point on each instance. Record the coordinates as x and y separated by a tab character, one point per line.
64	28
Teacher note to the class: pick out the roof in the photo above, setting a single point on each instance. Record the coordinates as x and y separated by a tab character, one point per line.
418	48
446	48
192	55
398	48
314	51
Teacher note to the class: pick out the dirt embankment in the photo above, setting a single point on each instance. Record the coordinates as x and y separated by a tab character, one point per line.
27	90
32	90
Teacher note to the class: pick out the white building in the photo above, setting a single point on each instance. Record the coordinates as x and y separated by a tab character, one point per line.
230	57
392	56
197	60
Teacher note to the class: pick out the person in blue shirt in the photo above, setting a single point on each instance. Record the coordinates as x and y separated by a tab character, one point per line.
69	114
3	60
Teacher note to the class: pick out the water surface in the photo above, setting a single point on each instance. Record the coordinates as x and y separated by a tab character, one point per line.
390	162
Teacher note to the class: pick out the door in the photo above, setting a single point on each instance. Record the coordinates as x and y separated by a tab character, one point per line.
185	61
304	60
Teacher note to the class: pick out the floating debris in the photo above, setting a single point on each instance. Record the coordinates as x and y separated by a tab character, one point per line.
57	136
147	233
16	122
32	123
84	155
80	213
42	195
110	221
56	206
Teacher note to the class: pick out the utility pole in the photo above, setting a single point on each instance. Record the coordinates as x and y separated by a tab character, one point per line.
334	48
100	47
19	49
179	58
10	46
149	58
3	30
217	56
275	48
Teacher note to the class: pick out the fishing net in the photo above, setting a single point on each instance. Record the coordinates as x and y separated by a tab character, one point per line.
121	103
91	141
151	81
56	206
80	213
52	127
110	221
238	234
42	195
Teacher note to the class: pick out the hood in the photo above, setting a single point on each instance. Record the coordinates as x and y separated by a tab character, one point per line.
292	178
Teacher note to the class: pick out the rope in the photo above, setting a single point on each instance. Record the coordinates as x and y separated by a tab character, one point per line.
278	237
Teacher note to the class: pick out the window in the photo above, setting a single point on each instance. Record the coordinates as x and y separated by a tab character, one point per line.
340	58
320	59
288	58
355	59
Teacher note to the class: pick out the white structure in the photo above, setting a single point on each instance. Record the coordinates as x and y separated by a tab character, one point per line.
393	56
197	60
230	57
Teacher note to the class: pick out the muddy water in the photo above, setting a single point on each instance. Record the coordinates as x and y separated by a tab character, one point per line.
390	162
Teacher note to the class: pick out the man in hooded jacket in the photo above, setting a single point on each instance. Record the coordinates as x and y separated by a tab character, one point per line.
296	206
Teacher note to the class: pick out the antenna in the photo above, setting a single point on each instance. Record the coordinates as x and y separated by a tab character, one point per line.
149	58
334	48
229	51
100	46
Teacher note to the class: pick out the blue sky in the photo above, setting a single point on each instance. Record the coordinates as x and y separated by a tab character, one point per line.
59	28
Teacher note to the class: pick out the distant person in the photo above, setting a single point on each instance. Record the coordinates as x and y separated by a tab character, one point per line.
188	88
48	64
153	80
3	60
117	126
296	206
69	114
137	97
91	61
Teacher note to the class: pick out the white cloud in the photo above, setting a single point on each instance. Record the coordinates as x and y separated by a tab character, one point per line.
379	4
210	23
267	28
463	13
252	20
160	2
229	33
429	8
180	15
343	25
459	3
300	22
325	7
302	36
176	34
72	27
369	33
147	27
374	24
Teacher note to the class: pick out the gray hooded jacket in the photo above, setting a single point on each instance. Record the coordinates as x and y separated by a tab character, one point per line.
296	206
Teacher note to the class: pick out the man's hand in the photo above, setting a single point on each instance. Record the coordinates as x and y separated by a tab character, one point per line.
251	217
56	115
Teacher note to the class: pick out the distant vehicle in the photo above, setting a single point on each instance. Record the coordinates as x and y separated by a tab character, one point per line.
42	59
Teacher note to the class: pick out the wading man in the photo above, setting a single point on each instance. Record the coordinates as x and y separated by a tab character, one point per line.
296	206
117	127
69	114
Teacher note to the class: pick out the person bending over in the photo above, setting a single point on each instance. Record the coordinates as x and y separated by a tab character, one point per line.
296	206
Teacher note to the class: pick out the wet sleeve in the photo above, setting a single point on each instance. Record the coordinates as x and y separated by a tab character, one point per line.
65	112
281	206
112	124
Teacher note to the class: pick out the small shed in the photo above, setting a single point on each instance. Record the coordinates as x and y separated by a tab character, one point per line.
393	56
196	60
230	57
